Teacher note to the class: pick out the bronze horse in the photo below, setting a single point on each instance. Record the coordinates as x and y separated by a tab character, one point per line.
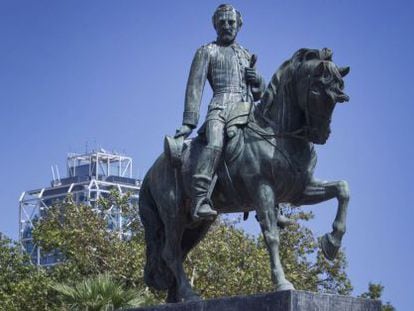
268	160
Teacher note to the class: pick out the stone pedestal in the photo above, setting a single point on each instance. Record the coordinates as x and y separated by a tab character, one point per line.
280	301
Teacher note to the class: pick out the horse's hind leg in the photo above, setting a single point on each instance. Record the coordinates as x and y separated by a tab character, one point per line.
190	238
267	217
320	191
172	295
172	255
157	274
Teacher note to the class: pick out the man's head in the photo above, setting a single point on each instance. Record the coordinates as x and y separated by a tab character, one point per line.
227	21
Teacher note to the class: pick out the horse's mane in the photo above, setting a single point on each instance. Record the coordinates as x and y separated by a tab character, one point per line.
281	81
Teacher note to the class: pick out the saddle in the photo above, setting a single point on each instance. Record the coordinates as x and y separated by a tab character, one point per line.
238	117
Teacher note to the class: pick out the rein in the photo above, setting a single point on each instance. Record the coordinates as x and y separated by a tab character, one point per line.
301	133
267	136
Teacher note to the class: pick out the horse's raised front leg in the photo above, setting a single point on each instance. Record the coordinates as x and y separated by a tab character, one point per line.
267	217
320	191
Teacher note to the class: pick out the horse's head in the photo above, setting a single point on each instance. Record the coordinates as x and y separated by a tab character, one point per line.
319	86
303	93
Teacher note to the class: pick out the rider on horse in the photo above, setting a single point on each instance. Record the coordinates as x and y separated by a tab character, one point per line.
229	69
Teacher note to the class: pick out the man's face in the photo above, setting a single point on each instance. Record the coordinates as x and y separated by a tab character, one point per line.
226	26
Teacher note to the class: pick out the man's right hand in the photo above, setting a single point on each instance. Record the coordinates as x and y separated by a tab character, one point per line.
184	130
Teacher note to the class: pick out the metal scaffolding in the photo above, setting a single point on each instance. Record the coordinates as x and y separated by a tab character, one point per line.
89	177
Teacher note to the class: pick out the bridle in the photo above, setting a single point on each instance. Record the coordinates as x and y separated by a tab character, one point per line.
301	133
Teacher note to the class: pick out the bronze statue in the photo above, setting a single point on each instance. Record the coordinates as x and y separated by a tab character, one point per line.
229	68
268	158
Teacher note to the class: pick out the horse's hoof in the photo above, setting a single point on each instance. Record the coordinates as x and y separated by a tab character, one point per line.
329	246
285	286
283	221
193	297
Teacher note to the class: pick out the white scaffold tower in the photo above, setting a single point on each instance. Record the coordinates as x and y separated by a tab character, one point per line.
90	176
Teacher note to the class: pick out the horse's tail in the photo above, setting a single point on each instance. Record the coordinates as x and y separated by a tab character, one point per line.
156	272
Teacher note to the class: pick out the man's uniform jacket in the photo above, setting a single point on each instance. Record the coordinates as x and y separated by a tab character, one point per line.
224	68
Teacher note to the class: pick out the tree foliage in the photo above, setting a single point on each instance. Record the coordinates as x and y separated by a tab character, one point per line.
375	292
230	262
305	265
21	284
227	262
81	234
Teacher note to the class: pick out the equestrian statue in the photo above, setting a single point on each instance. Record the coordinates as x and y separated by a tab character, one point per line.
254	152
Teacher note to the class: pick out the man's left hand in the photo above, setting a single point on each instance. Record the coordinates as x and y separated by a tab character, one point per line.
252	77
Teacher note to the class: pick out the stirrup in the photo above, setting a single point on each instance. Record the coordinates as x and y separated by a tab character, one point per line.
204	210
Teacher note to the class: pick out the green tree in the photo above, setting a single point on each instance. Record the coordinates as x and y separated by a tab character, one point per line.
81	234
304	263
227	262
230	262
375	292
22	284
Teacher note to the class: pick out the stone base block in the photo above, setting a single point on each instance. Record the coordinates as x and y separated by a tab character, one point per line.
290	300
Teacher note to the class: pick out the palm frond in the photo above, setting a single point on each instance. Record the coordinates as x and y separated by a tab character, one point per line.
100	293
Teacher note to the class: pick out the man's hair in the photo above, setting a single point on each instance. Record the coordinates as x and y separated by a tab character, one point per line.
225	8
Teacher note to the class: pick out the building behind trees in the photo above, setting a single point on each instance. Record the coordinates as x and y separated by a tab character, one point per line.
90	177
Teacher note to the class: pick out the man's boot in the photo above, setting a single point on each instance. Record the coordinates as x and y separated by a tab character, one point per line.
207	163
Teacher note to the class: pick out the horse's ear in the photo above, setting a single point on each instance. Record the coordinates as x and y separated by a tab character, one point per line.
344	71
319	70
326	54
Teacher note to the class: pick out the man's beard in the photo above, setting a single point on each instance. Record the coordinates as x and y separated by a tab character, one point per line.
227	37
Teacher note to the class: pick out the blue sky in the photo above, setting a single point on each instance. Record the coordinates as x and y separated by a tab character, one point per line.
112	74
